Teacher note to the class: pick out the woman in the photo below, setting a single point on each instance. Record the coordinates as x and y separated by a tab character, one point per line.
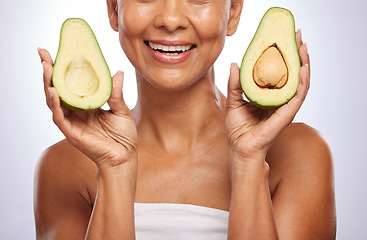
184	145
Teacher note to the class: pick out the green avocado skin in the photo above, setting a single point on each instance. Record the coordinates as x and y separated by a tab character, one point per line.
266	107
275	21
58	74
73	108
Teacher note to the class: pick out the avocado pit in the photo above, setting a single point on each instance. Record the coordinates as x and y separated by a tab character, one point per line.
270	70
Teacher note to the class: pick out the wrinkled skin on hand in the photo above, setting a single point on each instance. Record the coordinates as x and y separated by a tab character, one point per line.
251	130
107	137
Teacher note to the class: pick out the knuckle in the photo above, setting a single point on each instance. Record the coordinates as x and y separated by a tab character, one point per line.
74	140
54	119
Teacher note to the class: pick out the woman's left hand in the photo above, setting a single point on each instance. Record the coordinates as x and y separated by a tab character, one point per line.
251	130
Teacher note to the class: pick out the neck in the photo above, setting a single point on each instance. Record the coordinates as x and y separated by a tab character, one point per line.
180	120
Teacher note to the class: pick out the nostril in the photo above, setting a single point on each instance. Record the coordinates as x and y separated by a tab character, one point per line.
172	16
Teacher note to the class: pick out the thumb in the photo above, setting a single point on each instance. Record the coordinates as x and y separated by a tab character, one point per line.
116	100
234	96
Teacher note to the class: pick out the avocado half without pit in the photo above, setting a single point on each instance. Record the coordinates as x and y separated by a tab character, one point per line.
80	73
270	67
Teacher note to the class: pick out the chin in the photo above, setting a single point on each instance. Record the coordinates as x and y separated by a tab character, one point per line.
172	81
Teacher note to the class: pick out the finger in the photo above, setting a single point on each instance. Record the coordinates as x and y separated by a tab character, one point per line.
234	95
116	100
299	38
45	55
58	113
304	78
296	102
47	78
305	60
47	64
302	50
304	56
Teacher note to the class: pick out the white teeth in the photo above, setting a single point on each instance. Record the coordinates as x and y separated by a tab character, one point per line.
165	48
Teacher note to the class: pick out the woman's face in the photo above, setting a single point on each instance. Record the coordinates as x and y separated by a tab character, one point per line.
172	43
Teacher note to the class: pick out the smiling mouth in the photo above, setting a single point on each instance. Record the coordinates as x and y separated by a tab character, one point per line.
169	50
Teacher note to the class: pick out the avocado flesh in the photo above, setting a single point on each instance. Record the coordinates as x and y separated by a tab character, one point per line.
80	74
270	67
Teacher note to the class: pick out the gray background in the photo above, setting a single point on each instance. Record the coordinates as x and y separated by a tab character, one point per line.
335	32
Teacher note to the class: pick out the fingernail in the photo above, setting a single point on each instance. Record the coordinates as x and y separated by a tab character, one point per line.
120	71
43	63
233	64
38	50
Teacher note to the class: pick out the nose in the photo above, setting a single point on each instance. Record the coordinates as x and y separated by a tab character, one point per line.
172	15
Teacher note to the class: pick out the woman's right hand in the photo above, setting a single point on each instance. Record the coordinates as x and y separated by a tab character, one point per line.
108	138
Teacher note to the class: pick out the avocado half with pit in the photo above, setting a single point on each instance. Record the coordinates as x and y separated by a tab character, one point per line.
80	73
270	67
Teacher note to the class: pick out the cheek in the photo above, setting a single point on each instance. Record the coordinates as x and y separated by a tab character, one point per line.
211	27
211	24
131	21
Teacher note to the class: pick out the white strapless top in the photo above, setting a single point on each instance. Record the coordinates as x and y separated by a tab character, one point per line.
170	221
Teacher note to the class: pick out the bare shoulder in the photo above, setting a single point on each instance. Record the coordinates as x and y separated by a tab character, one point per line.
302	184
301	154
60	150
300	144
63	163
62	198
